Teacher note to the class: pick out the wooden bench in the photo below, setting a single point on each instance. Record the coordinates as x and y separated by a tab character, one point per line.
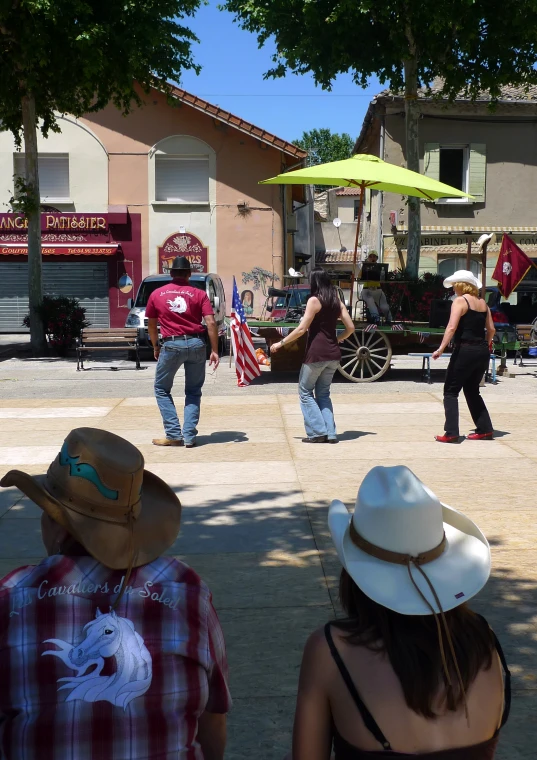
107	339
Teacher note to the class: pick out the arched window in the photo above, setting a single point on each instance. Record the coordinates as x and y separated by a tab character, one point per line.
183	169
447	267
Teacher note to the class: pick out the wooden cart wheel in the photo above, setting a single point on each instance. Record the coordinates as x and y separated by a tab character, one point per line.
365	356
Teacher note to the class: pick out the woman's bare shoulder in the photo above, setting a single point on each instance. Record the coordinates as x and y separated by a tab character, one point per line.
316	643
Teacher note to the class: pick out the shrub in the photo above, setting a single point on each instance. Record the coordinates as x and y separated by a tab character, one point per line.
64	320
411	299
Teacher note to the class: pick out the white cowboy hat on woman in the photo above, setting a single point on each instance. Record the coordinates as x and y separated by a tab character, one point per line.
406	550
463	275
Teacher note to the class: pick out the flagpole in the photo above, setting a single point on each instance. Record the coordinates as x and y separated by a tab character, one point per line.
484	269
468	251
358	223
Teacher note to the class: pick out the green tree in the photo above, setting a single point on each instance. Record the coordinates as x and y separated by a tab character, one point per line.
473	45
76	56
323	145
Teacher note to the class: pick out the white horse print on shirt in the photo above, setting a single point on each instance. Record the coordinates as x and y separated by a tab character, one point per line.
178	305
107	636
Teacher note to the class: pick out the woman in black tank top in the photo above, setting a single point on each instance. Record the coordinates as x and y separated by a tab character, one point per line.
323	311
471	330
411	672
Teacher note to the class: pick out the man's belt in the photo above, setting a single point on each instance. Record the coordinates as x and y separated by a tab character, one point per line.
183	337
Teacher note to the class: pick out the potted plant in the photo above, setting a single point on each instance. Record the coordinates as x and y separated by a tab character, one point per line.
64	320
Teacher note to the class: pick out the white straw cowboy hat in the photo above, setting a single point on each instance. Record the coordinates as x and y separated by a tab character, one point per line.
463	275
98	490
401	540
491	238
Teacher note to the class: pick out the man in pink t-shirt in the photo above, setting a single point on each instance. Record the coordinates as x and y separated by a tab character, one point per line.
179	309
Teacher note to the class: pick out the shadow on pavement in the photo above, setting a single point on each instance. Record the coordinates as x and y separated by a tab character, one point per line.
348	435
222	436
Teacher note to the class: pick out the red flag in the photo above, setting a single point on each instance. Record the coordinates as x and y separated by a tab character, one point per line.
511	268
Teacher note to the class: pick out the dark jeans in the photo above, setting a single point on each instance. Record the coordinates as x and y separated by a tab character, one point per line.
466	368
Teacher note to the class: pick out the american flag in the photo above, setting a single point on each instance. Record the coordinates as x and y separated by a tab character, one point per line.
246	365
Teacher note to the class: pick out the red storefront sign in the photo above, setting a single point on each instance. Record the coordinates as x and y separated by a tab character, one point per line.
183	244
56	222
115	237
14	249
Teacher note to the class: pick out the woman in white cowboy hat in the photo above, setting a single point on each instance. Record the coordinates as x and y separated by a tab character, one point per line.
110	649
471	329
411	671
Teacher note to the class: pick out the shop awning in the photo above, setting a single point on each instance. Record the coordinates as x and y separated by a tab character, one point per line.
61	249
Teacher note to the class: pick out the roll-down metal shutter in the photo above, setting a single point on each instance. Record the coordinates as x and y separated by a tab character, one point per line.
85	281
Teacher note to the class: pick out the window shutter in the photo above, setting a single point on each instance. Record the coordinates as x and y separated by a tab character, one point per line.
181	179
53	175
478	171
431	161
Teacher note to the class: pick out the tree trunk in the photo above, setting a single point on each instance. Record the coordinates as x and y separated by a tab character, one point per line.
38	339
413	163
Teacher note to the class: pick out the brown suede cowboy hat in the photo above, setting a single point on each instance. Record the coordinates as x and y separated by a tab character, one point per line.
98	490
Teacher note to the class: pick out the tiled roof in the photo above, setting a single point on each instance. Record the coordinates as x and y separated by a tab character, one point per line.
235	121
336	257
348	191
509	93
461	230
460	250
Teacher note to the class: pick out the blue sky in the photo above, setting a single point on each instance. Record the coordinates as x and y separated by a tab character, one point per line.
232	77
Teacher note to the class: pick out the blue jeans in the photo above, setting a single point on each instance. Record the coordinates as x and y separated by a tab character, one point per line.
192	353
314	393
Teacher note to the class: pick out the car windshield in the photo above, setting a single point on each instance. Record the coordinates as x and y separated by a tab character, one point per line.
295	298
148	286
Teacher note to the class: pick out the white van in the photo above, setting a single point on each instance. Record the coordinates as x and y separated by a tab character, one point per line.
210	283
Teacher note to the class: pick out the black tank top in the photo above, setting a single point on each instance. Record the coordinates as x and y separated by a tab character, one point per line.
322	345
471	325
345	751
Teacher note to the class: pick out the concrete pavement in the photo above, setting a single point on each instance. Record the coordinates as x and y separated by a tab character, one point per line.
255	503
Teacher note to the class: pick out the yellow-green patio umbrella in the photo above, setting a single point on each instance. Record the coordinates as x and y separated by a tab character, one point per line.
365	171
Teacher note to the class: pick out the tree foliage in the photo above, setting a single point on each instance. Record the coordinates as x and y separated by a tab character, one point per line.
76	56
323	146
473	45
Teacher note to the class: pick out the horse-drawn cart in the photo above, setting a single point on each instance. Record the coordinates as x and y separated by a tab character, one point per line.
365	356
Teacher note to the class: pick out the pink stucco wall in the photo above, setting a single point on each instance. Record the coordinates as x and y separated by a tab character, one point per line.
244	239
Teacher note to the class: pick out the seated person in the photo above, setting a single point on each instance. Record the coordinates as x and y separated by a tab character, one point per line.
374	297
411	671
110	650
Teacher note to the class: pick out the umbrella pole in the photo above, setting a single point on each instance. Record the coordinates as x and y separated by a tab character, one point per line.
358	223
484	270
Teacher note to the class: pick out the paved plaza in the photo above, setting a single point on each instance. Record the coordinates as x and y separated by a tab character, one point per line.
255	504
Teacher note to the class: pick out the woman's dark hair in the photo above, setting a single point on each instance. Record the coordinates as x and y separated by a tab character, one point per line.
412	646
322	287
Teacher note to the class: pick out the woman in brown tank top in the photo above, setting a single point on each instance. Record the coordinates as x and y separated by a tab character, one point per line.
323	311
411	672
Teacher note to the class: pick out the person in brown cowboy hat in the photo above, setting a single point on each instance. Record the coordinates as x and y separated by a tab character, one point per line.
110	649
179	309
411	671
